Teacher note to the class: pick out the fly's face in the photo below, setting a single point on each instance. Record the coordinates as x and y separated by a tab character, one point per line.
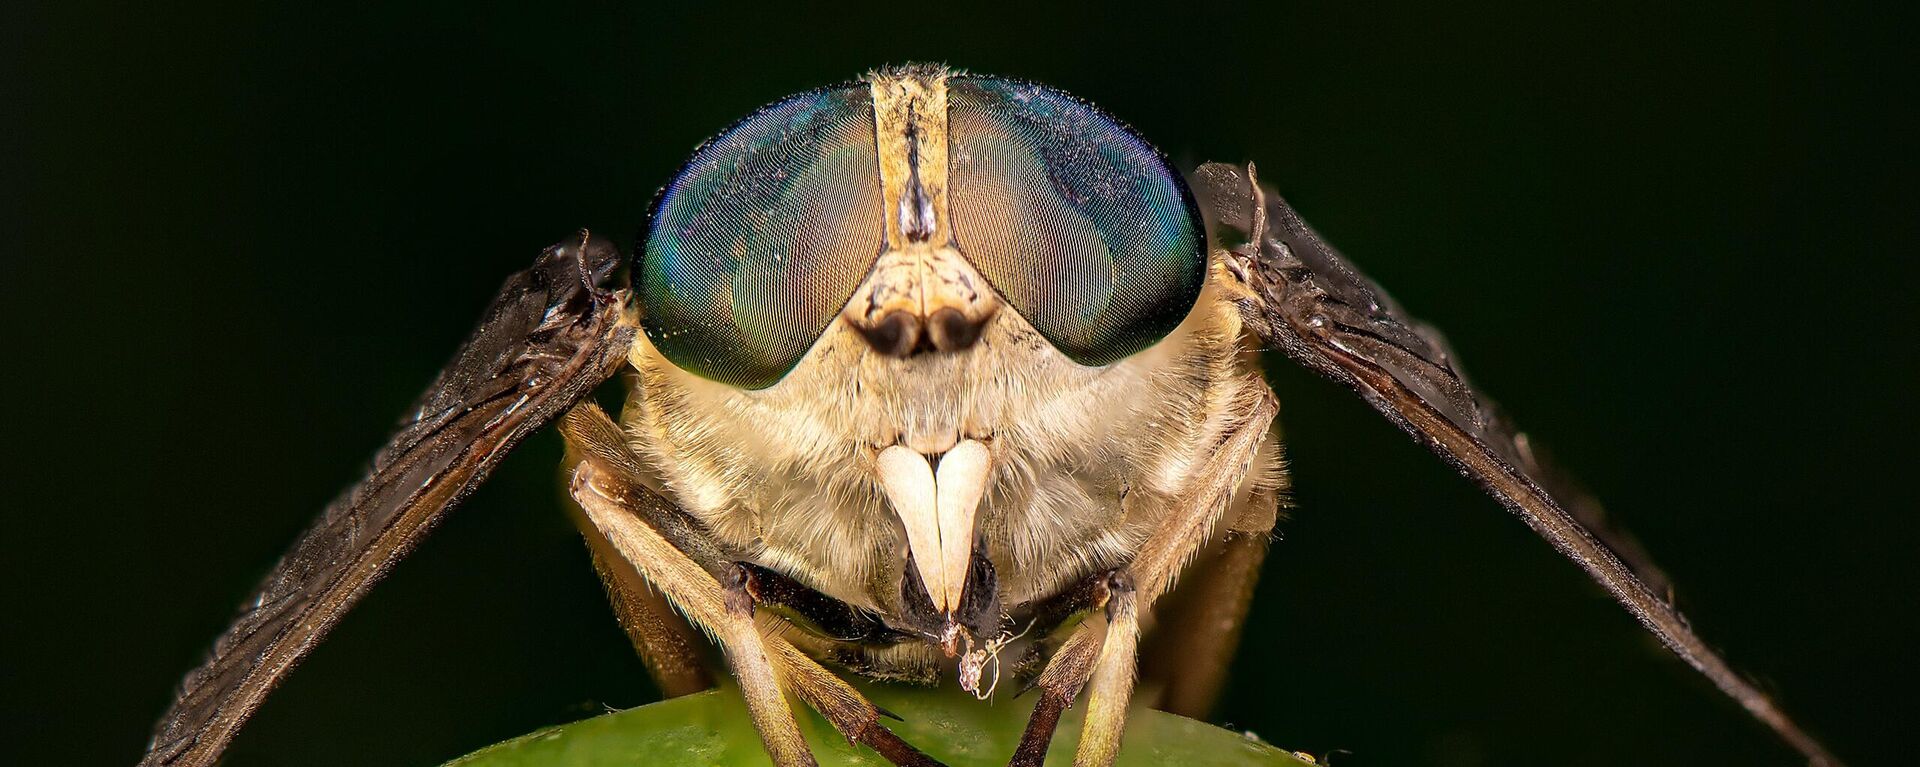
887	327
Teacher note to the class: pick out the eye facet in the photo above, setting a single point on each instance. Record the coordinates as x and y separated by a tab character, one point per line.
1078	223
762	238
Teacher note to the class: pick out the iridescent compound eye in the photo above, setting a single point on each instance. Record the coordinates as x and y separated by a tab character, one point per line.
762	238
1078	223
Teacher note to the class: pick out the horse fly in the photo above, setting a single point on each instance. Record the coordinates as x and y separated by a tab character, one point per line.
948	374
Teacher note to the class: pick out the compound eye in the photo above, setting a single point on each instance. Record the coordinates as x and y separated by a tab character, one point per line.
762	237
1081	226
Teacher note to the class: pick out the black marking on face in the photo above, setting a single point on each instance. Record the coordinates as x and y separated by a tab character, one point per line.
916	207
980	609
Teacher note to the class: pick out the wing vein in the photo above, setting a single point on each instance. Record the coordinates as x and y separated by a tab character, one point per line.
1303	298
549	337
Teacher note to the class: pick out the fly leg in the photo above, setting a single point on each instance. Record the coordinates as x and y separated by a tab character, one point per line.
662	639
1159	562
844	707
1184	663
670	553
1060	682
1196	628
724	611
1106	659
856	718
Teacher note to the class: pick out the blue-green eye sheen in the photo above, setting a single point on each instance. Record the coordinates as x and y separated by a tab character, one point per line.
762	238
1078	223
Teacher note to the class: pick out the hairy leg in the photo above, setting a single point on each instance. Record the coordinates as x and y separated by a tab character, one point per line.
715	595
1108	657
1196	629
1184	663
663	640
724	611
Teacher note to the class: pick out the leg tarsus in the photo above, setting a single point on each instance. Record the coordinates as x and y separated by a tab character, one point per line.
1032	751
1111	688
893	748
1059	683
850	713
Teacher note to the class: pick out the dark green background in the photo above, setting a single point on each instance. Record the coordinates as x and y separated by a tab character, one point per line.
1676	243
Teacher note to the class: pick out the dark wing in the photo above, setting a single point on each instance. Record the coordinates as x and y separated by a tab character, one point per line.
553	333
1306	300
